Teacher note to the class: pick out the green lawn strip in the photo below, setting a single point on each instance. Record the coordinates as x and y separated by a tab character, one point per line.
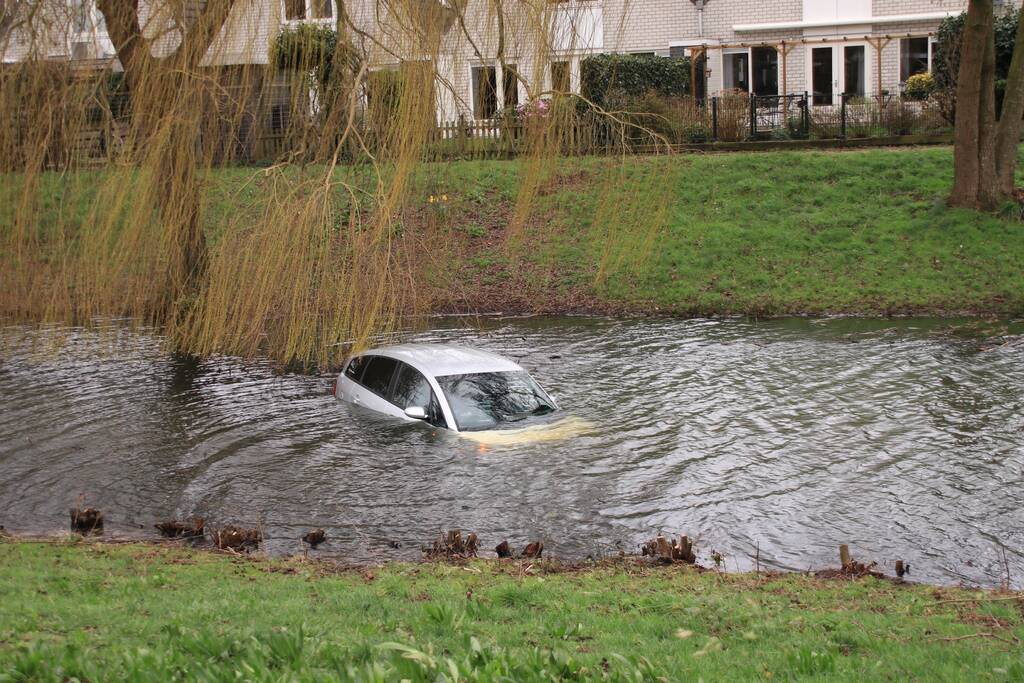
862	231
138	612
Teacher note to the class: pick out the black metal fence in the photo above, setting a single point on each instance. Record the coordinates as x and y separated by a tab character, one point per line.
727	118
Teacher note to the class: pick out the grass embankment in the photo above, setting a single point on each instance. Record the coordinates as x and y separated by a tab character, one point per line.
763	233
138	612
759	233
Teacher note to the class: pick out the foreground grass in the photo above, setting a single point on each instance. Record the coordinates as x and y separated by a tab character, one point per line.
136	612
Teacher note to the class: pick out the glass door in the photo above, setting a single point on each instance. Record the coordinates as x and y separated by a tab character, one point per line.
854	71
823	81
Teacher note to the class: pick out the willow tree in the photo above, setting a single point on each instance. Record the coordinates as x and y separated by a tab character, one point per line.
166	102
986	141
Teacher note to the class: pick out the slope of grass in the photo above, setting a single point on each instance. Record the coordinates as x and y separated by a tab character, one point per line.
133	612
763	233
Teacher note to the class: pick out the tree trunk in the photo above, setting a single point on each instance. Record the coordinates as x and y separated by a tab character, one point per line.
1008	136
970	106
988	186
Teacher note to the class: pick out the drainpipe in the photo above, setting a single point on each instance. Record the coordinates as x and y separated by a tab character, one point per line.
699	4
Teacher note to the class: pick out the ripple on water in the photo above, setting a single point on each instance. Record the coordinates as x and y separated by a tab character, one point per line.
789	435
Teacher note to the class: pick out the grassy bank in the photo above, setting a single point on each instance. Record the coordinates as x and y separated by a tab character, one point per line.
136	612
761	233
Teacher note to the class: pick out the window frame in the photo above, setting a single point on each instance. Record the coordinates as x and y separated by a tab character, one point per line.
749	52
388	391
475	91
930	52
308	17
402	365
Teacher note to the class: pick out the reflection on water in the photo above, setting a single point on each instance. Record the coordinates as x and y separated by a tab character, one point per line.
791	435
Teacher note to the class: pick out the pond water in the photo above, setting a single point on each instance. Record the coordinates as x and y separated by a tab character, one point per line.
780	439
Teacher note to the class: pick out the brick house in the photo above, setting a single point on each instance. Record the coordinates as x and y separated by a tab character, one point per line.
824	47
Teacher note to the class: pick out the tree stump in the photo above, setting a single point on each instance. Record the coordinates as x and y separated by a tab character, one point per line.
175	529
315	537
845	561
86	520
503	550
236	538
533	550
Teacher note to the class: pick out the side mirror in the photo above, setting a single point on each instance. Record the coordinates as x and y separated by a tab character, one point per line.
416	412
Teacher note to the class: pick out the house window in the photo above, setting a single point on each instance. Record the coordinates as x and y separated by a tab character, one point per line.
854	72
301	10
278	119
485	92
510	85
765	70
560	77
753	70
915	57
736	70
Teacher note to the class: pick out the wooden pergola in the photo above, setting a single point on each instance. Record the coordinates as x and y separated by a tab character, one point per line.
784	47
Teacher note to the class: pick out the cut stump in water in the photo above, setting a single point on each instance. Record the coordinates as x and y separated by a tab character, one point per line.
453	545
503	549
315	537
845	561
86	520
237	538
902	569
533	550
664	550
175	529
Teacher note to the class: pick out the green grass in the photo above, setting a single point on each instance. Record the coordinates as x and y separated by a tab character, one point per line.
134	612
762	233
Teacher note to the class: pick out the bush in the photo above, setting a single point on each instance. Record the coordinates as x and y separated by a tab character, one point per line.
919	87
610	77
946	64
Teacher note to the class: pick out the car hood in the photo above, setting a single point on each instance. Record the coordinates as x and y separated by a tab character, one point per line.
556	430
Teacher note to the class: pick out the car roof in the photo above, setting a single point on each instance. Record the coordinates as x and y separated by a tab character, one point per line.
445	359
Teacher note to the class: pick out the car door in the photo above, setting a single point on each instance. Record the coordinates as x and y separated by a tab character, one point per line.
373	388
412	389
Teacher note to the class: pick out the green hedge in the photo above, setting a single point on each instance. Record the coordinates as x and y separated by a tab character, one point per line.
946	63
605	77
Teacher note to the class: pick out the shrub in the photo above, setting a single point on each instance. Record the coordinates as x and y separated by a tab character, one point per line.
946	64
610	77
919	87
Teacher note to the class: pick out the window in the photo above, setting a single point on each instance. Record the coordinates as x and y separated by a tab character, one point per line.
300	10
485	92
355	368
279	120
413	390
484	400
561	80
914	57
511	85
736	67
765	68
378	373
853	70
821	75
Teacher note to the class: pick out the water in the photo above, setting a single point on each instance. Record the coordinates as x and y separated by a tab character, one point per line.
787	436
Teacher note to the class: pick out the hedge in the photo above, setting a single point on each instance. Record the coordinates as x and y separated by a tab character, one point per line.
608	76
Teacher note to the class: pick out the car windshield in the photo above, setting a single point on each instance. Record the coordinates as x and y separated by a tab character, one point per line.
485	399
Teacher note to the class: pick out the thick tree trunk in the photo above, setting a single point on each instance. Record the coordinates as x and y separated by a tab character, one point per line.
988	186
969	95
1008	136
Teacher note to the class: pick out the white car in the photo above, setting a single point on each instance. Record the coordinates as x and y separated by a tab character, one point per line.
447	386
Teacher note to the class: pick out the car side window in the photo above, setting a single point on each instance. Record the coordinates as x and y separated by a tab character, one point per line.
378	374
412	389
355	368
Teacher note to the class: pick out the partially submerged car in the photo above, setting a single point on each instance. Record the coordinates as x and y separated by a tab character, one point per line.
448	386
